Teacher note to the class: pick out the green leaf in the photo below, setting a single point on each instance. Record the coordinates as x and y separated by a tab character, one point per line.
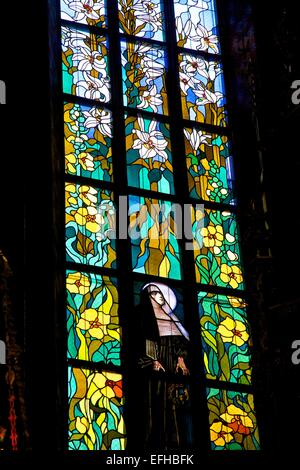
223	358
207	319
204	275
210	340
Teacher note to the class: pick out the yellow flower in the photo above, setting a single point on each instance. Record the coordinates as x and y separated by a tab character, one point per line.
70	160
82	425
237	420
220	434
78	283
89	217
70	200
233	331
213	236
88	195
104	384
237	302
86	161
94	322
231	275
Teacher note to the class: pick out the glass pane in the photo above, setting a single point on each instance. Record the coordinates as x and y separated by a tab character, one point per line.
91	12
232	420
148	154
144	77
88	135
96	411
217	248
209	164
154	232
141	18
90	226
159	331
85	65
225	338
196	25
202	90
92	318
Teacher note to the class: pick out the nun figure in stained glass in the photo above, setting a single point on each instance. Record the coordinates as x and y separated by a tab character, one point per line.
162	357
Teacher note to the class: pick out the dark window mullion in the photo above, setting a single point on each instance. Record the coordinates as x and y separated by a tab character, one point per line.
199	410
125	285
203	54
68	98
135	39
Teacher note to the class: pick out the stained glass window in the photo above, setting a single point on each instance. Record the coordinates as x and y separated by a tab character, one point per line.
90	225
196	25
153	233
216	249
232	420
148	153
92	318
91	12
96	401
85	64
142	18
145	117
144	77
202	90
225	337
209	164
88	134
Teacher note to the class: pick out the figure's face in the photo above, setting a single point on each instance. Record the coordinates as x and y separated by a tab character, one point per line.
158	297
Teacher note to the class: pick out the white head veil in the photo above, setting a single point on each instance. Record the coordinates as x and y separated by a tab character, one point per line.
171	301
167	293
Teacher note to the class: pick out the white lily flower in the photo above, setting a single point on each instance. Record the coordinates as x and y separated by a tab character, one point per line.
192	65
196	138
99	118
151	68
85	9
93	88
151	143
150	99
205	40
205	96
89	60
186	82
211	70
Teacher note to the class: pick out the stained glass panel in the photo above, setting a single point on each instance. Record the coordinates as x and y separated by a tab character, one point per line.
232	420
92	318
217	248
196	25
209	164
225	338
148	153
88	135
95	410
153	232
85	64
144	77
202	90
91	12
90	226
141	18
